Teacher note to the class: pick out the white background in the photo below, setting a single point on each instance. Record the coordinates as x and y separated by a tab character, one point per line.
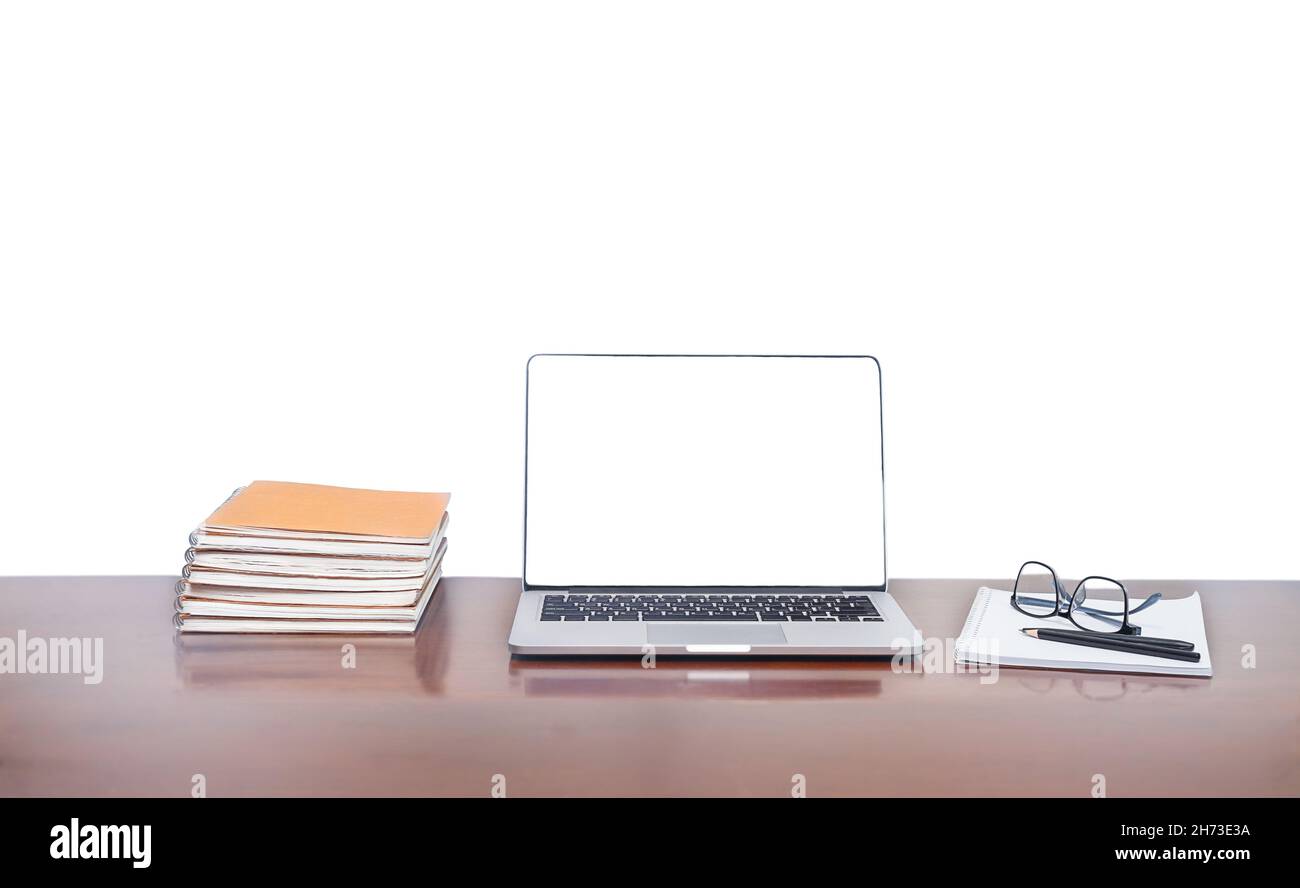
317	241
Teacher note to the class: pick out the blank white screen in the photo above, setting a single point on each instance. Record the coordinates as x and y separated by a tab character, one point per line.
704	471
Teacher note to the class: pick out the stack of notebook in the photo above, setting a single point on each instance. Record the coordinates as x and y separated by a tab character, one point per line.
283	557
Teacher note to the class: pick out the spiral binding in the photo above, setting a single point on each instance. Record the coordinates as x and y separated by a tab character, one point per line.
974	619
182	584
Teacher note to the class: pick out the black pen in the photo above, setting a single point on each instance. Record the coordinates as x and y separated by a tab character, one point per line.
1112	644
1136	640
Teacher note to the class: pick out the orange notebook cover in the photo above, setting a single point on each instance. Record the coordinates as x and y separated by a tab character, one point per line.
285	505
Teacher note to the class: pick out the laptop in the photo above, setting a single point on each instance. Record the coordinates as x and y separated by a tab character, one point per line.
705	505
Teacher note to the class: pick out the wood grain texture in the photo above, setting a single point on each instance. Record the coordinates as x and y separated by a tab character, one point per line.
441	713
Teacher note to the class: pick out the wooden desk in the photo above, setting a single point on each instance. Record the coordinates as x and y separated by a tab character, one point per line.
445	711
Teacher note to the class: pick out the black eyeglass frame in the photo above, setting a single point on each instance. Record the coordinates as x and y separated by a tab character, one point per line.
1125	627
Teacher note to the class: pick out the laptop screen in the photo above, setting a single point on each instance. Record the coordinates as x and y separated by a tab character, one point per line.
703	471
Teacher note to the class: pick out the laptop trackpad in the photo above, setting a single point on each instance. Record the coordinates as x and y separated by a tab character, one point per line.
668	633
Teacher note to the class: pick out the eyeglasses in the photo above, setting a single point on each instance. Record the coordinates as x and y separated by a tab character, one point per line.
1098	604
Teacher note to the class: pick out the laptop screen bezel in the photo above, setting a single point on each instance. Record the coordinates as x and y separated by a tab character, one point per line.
701	589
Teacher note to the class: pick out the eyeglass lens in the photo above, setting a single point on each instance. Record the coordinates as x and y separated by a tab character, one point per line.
1098	605
1036	590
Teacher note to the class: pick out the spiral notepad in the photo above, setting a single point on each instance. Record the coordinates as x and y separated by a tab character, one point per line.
992	635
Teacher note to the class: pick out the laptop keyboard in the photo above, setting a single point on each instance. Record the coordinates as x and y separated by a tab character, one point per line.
709	608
